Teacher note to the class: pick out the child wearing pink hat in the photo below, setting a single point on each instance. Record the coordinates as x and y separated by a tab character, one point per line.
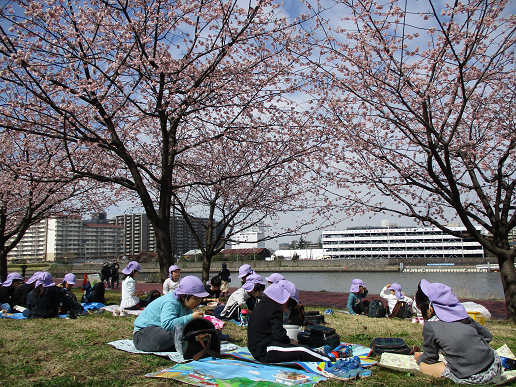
172	282
267	340
393	294
154	327
464	342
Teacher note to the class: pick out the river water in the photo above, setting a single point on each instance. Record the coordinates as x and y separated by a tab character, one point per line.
465	285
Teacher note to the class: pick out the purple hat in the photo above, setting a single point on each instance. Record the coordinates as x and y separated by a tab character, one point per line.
446	304
244	269
133	265
34	277
190	285
355	285
70	279
12	277
282	291
397	290
171	269
251	281
274	278
45	279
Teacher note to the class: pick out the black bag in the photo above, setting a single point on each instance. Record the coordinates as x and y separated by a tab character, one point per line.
200	339
377	309
152	296
401	310
316	336
390	345
314	318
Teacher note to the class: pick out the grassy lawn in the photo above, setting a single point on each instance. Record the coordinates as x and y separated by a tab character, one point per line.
60	352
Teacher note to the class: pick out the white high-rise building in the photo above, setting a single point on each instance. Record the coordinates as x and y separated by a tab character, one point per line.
248	239
69	238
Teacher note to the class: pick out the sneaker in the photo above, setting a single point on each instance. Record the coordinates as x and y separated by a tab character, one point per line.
123	313
355	369
337	370
224	337
116	312
325	350
508	363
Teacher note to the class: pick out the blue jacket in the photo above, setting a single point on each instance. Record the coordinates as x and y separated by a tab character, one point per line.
164	312
354	299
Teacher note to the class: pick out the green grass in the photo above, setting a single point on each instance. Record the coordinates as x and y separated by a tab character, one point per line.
59	352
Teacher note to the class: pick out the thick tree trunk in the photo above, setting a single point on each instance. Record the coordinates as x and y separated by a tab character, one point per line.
508	275
164	247
206	265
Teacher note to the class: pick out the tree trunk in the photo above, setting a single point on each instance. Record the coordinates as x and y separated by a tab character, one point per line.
3	264
164	247
508	275
206	265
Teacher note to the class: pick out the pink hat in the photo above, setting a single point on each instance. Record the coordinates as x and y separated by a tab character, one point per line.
34	277
282	291
12	277
244	269
355	285
190	285
45	279
251	281
70	279
274	278
397	290
446	304
133	265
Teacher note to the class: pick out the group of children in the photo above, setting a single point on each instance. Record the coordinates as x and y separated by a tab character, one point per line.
39	296
447	329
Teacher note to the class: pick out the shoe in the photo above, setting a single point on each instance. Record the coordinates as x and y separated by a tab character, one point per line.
116	312
71	315
355	369
337	370
328	311
508	363
224	337
342	351
123	313
324	350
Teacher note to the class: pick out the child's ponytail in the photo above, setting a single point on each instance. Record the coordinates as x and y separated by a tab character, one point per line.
422	302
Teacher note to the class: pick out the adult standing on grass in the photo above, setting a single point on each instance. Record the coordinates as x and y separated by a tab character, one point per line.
224	275
115	276
106	274
154	328
130	299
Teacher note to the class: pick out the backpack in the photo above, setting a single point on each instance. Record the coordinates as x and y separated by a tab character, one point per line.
316	336
200	339
401	310
397	345
376	309
152	296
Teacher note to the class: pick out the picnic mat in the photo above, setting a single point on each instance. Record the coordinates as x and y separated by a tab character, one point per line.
210	372
128	346
20	316
407	363
362	352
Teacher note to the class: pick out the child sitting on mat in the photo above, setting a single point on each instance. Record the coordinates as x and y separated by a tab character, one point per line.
462	340
154	328
267	340
253	287
355	304
393	294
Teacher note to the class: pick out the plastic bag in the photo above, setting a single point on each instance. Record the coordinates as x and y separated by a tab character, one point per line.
178	337
474	307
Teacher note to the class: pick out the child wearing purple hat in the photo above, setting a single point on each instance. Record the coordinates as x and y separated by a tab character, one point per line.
7	289
393	294
22	291
267	340
244	271
154	328
44	300
274	278
253	287
464	342
357	291
69	305
172	282
130	299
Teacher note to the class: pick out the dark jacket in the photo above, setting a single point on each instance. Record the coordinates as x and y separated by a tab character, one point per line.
265	326
46	306
20	295
6	295
224	274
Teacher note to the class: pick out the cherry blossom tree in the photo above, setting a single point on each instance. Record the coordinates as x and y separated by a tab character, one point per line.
35	184
137	87
423	94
